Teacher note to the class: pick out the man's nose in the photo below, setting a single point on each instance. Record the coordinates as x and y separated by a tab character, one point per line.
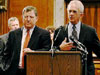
16	26
71	13
28	18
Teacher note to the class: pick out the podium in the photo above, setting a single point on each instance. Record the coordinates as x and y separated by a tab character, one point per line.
62	63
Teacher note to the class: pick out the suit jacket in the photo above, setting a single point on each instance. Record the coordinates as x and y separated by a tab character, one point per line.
39	41
4	37
2	46
3	41
88	37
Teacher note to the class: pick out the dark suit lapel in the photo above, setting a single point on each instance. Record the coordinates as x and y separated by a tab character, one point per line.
66	32
33	37
19	38
82	33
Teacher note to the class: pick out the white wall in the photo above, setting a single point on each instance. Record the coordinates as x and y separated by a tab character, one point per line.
58	13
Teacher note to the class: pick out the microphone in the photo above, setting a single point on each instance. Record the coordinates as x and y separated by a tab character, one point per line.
53	49
79	45
58	33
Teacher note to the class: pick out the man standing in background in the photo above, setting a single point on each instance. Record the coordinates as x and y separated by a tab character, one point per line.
13	23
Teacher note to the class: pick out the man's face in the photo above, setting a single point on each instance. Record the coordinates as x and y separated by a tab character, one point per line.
29	19
14	25
74	14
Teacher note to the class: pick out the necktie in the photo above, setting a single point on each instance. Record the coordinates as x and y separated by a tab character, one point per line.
74	32
25	46
26	40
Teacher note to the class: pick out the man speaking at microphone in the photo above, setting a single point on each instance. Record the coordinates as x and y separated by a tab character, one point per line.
81	32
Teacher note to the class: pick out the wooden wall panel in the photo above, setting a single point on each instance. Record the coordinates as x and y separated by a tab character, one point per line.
3	22
92	16
50	14
15	7
44	7
98	20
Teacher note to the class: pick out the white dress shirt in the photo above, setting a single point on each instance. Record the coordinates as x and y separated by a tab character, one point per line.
24	33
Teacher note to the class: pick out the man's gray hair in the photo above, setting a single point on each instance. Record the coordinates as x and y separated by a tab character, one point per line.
78	4
12	19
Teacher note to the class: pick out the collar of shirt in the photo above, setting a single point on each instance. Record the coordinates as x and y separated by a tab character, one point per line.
30	32
78	26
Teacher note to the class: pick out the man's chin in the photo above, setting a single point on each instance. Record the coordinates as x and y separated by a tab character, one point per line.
28	26
71	20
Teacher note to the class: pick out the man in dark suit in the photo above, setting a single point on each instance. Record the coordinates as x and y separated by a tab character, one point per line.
85	34
13	23
2	46
39	41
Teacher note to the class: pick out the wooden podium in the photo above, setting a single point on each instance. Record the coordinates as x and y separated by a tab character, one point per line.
62	63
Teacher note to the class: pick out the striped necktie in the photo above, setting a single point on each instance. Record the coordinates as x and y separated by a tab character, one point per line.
74	32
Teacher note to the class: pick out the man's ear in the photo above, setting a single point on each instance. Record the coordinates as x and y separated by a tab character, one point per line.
81	16
37	18
9	27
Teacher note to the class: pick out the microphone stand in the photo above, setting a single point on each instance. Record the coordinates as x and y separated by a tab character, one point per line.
83	49
53	49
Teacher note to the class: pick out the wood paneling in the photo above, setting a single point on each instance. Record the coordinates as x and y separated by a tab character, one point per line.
44	7
3	22
92	16
15	7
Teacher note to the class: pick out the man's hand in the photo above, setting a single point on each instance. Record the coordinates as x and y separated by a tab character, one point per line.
66	46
